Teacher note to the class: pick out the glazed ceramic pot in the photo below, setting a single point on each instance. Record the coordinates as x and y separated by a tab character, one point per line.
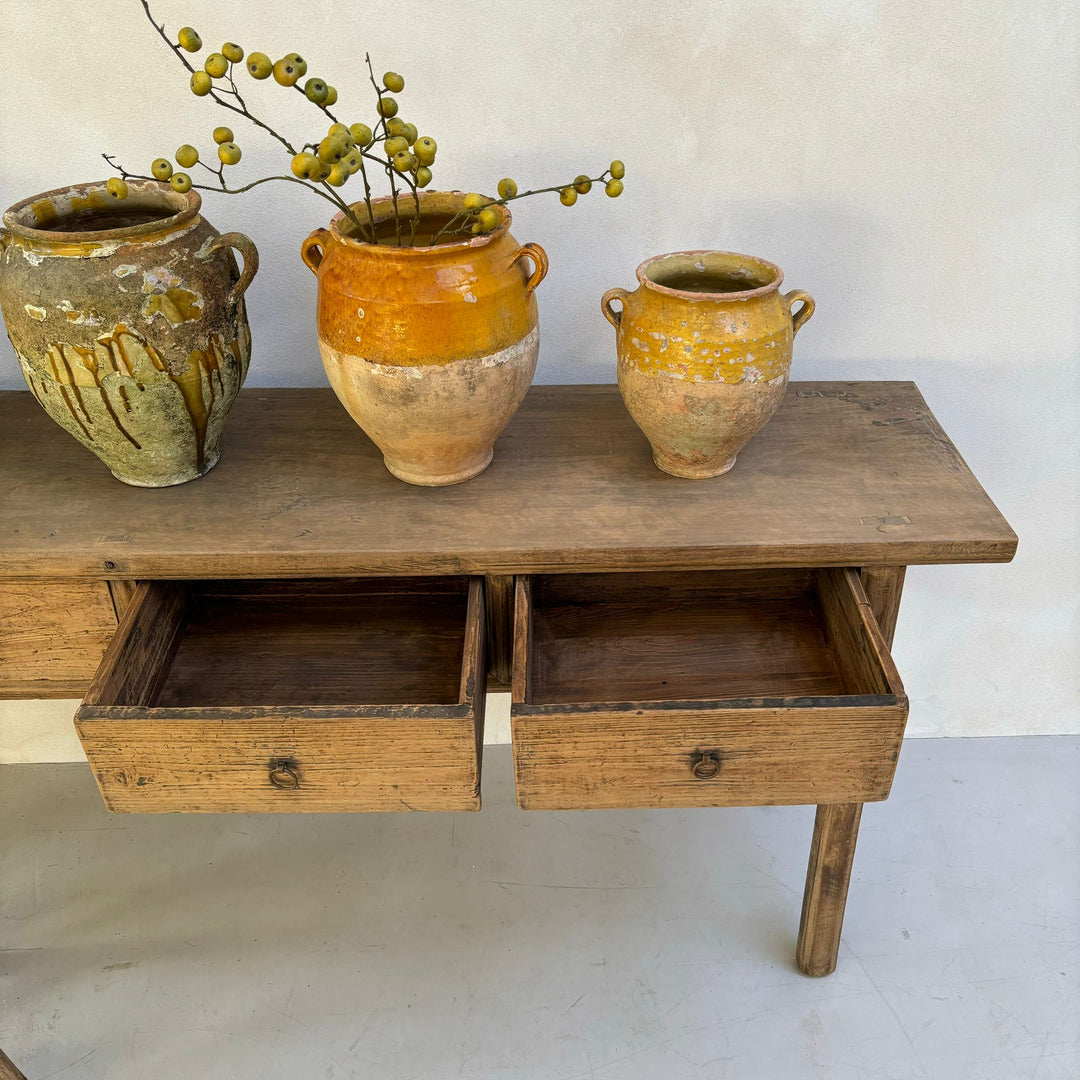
704	346
128	320
430	348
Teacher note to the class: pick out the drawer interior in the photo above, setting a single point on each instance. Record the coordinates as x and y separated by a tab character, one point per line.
317	642
714	635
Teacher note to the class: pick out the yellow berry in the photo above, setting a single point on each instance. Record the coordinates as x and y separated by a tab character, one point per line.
507	188
332	149
477	229
613	189
425	148
393	82
338	175
387	107
298	62
180	182
232	52
286	72
216	65
361	135
186	156
617	169
396	145
201	83
352	162
582	184
316	90
260	66
568	196
409	133
423	176
305	166
188	40
229	153
488	218
473	201
116	187
331	96
340	130
395	126
223	135
404	161
161	168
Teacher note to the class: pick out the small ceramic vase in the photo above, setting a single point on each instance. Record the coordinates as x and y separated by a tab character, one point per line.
128	320
431	347
704	346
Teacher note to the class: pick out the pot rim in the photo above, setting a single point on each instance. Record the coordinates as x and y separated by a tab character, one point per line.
188	206
390	251
686	294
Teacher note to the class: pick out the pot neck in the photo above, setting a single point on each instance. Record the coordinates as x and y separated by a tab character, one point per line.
436	209
77	219
714	276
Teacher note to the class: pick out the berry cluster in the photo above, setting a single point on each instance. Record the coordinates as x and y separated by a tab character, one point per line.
389	145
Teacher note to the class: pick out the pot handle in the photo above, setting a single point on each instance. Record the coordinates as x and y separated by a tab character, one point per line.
804	312
313	249
614	317
540	263
246	248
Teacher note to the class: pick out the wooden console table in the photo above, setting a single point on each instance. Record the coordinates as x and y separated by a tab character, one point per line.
300	631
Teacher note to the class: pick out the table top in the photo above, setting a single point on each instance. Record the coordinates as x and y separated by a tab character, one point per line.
856	473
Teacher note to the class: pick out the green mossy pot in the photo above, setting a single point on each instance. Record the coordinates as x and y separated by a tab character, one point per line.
128	320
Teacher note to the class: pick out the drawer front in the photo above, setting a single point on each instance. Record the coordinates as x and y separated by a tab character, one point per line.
52	636
394	759
155	749
697	754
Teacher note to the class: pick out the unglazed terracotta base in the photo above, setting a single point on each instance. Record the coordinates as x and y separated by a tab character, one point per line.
674	467
435	424
179	478
696	429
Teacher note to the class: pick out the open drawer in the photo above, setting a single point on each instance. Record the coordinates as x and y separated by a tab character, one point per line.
701	689
244	696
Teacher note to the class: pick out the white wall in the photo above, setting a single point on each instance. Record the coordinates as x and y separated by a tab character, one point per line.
913	165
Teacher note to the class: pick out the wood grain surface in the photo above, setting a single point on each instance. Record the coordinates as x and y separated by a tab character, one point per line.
53	635
854	474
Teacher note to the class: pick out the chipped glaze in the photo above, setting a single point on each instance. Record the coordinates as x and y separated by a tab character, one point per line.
430	349
704	351
141	374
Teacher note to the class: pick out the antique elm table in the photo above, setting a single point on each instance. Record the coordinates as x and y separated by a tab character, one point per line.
299	631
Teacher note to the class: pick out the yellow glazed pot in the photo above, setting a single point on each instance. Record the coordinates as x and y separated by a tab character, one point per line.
704	348
430	348
128	320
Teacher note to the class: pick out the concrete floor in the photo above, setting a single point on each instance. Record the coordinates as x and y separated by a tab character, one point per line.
547	946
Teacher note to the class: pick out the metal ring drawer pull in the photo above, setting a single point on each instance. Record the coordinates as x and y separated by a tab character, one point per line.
283	775
706	765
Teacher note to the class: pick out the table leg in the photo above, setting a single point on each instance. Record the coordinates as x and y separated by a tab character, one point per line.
836	827
832	851
8	1070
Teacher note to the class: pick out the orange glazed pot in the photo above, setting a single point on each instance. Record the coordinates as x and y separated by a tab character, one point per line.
430	348
704	346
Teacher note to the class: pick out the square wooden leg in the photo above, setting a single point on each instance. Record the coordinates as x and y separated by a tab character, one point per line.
832	851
